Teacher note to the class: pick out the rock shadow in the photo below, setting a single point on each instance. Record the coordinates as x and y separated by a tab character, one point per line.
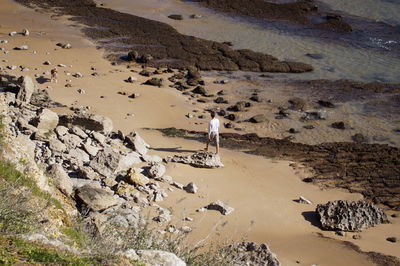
311	217
174	150
42	80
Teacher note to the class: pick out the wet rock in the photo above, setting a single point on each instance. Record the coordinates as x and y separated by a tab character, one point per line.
96	199
392	239
154	82
359	138
200	160
175	17
315	56
220	206
258	118
297	104
61	179
27	88
326	104
136	178
351	216
338	125
200	90
191	188
136	143
88	121
251	253
220	100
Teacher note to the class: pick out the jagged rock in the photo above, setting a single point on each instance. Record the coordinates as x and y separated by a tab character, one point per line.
61	179
191	188
352	216
27	88
219	206
136	143
87	172
159	258
106	162
79	132
90	149
156	170
88	121
251	253
72	141
96	199
200	160
134	177
78	156
100	138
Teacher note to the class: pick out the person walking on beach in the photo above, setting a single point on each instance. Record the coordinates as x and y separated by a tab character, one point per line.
54	73
213	134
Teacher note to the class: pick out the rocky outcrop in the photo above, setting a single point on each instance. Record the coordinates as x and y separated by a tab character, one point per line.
200	160
252	254
352	216
88	121
27	88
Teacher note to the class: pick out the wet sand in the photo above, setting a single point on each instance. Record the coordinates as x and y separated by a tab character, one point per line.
261	190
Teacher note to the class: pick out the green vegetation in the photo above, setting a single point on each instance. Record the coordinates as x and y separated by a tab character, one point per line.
13	251
173	132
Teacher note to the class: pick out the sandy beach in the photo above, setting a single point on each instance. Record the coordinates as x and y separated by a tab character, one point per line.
261	190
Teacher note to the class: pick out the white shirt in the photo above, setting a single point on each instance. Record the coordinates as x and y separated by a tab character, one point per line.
213	126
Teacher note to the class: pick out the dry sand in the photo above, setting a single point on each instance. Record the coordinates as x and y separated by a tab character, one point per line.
261	190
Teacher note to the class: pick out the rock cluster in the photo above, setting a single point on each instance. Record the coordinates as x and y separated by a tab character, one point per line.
200	160
351	216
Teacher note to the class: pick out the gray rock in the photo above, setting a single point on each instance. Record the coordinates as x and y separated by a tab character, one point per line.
106	162
159	258
136	143
220	206
61	179
251	253
90	149
156	170
191	188
164	215
200	160
351	216
27	88
79	132
45	122
258	118
87	172
79	182
152	158
72	141
78	156
392	239
57	146
61	131
88	121
128	161
100	138
96	199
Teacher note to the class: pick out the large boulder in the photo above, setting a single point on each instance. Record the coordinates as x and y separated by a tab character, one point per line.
106	162
352	216
61	179
27	88
250	253
45	122
136	143
88	121
200	160
96	199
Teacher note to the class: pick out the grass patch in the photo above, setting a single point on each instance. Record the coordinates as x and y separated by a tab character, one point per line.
173	132
14	251
77	238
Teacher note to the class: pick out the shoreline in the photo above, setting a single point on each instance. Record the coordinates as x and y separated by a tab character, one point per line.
141	107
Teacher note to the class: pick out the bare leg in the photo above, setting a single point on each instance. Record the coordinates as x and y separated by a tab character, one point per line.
217	148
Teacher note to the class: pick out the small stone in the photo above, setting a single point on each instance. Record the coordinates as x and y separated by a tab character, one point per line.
131	79
81	91
356	237
12	34
22	47
392	239
47	63
303	200
175	17
191	188
25	32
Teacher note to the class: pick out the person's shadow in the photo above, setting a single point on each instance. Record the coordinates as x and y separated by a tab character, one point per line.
173	150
